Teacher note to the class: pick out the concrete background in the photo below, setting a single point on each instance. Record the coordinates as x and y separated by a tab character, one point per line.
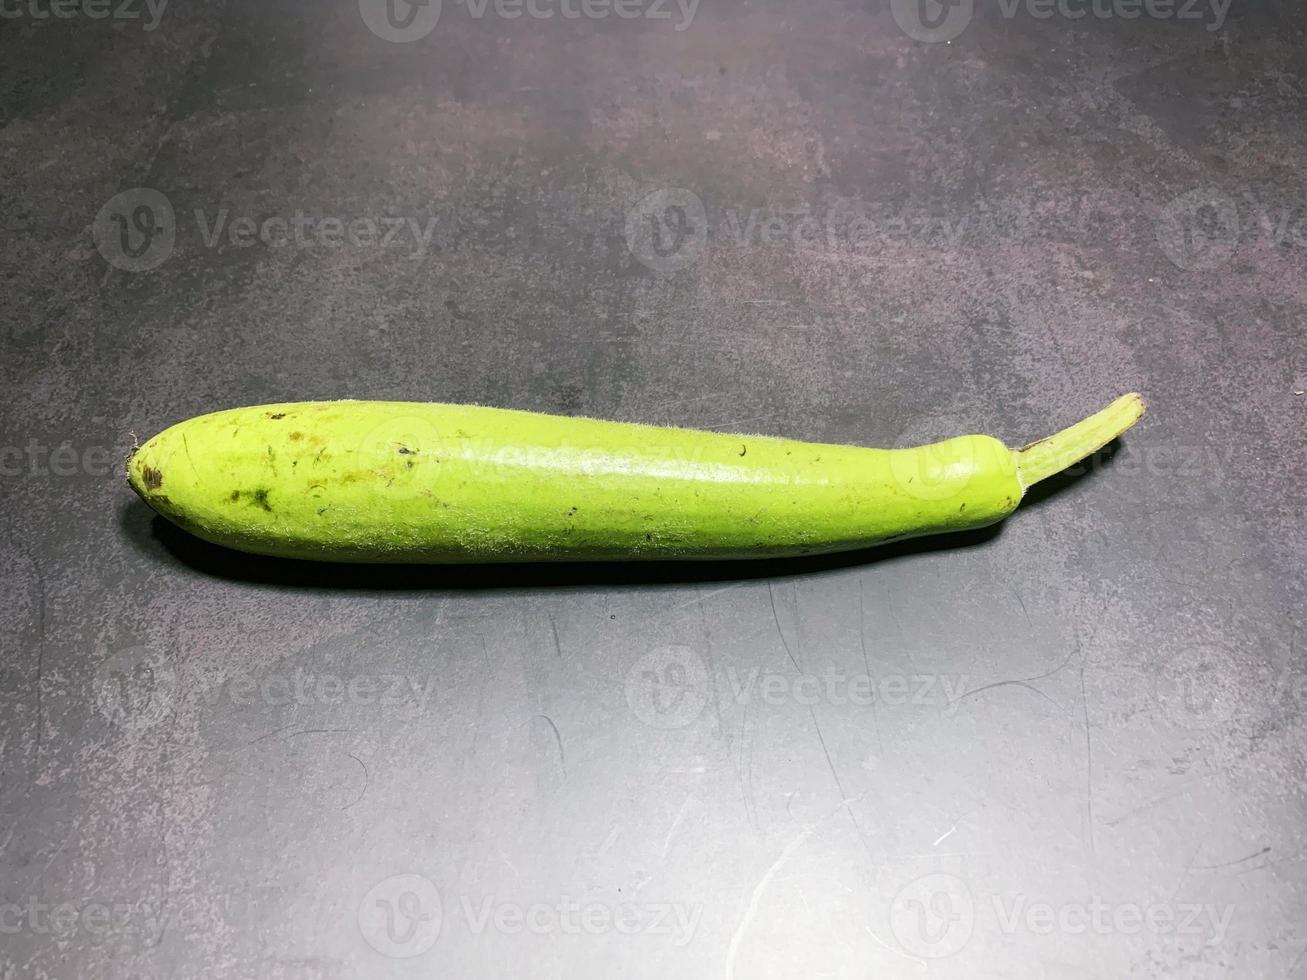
1071	747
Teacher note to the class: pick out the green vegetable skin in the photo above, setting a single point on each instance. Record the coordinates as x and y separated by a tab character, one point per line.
408	482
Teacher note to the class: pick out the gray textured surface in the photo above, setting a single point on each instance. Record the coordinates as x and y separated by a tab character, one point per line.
1084	753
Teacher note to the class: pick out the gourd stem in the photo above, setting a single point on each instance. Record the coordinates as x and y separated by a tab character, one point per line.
1042	459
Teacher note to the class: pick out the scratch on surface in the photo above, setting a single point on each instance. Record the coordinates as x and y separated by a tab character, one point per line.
821	739
558	740
1230	864
947	834
667	843
1188	867
898	625
1078	648
367	779
751	910
40	876
708	656
1014	683
700	596
558	647
866	661
1027	682
609	840
1024	611
887	947
771	594
187	447
839	784
1135	811
1089	770
275	731
812	713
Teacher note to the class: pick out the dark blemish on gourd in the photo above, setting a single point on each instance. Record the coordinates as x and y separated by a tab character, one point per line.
235	496
743	449
648	535
405	451
277	415
296	436
321	511
408	465
318	458
572	512
261	499
962	508
152	478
